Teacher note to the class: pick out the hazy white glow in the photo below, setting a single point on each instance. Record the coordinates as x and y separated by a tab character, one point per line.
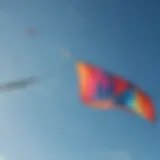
2	158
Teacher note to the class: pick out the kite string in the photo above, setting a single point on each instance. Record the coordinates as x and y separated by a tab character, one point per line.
69	56
51	75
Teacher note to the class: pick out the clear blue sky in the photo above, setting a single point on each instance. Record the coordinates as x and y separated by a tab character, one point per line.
47	121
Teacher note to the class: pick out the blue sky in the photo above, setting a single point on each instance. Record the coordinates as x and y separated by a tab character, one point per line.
48	121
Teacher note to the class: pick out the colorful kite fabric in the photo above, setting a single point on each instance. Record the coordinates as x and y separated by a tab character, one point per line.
104	90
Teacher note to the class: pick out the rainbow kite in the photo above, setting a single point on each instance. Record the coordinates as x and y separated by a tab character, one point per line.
103	90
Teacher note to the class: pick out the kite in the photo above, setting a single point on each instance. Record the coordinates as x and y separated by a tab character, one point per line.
31	32
18	84
105	90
